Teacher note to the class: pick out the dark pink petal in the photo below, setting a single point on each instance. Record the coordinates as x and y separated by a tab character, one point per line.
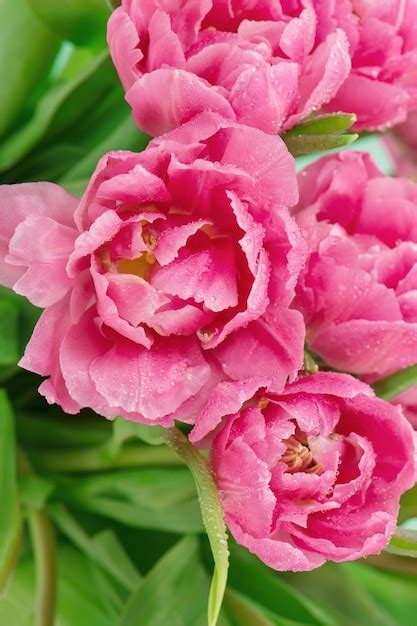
151	382
226	399
123	41
271	349
375	103
326	70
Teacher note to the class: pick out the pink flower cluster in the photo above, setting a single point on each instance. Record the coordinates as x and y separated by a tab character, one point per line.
187	280
266	64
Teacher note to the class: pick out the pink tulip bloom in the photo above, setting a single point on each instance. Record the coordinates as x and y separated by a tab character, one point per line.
167	287
382	86
314	473
265	64
402	147
408	402
358	290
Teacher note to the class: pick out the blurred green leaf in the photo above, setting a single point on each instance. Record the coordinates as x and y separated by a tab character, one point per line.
174	591
408	507
27	50
35	490
163	499
101	458
10	518
80	21
60	432
76	187
104	548
60	106
357	595
80	601
404	543
263	586
17	319
300	145
9	333
395	384
333	123
73	153
212	514
393	594
243	611
123	430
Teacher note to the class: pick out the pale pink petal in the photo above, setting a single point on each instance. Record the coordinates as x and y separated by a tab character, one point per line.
41	247
17	202
265	97
166	98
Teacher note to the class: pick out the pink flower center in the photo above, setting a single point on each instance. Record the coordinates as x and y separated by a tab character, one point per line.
298	455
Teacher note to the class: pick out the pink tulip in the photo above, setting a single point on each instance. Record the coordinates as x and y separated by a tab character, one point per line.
408	402
265	64
314	473
382	86
402	147
358	290
167	287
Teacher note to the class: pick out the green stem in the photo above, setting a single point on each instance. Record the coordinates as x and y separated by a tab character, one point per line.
212	515
44	548
391	386
98	459
43	541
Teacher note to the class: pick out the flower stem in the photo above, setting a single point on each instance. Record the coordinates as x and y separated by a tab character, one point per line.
44	548
43	541
212	515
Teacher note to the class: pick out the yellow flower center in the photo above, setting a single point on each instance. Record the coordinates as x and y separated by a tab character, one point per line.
299	457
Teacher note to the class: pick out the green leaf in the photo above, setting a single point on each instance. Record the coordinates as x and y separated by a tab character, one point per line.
212	514
262	586
123	430
395	384
395	596
324	125
9	333
110	134
245	612
80	601
43	543
162	499
60	432
404	542
10	518
80	21
172	593
300	145
60	107
100	458
27	50
408	509
346	590
35	490
104	548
